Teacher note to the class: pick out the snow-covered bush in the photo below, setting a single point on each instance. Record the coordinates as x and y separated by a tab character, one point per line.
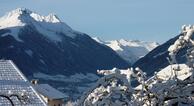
114	89
107	91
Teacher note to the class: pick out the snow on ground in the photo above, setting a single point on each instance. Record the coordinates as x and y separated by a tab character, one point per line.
182	74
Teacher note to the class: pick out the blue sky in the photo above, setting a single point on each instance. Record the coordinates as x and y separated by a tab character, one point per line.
147	20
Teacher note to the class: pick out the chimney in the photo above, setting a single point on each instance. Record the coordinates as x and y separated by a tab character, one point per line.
34	81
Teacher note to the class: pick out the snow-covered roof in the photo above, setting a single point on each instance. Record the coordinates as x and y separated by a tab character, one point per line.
49	91
13	82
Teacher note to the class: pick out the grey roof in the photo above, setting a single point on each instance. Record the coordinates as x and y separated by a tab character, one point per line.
15	85
49	91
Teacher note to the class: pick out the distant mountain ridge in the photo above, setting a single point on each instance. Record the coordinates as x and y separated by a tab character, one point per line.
130	50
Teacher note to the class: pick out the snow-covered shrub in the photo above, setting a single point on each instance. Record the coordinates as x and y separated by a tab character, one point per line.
114	89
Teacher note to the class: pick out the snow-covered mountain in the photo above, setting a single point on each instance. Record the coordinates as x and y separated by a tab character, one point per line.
44	47
130	50
48	26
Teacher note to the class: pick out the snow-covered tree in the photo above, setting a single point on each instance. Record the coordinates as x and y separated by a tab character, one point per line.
113	89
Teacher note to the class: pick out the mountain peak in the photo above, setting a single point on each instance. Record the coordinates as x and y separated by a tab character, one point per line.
23	16
48	25
53	18
12	19
19	11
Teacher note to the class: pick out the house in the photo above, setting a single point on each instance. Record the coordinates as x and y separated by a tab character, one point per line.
15	89
51	96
